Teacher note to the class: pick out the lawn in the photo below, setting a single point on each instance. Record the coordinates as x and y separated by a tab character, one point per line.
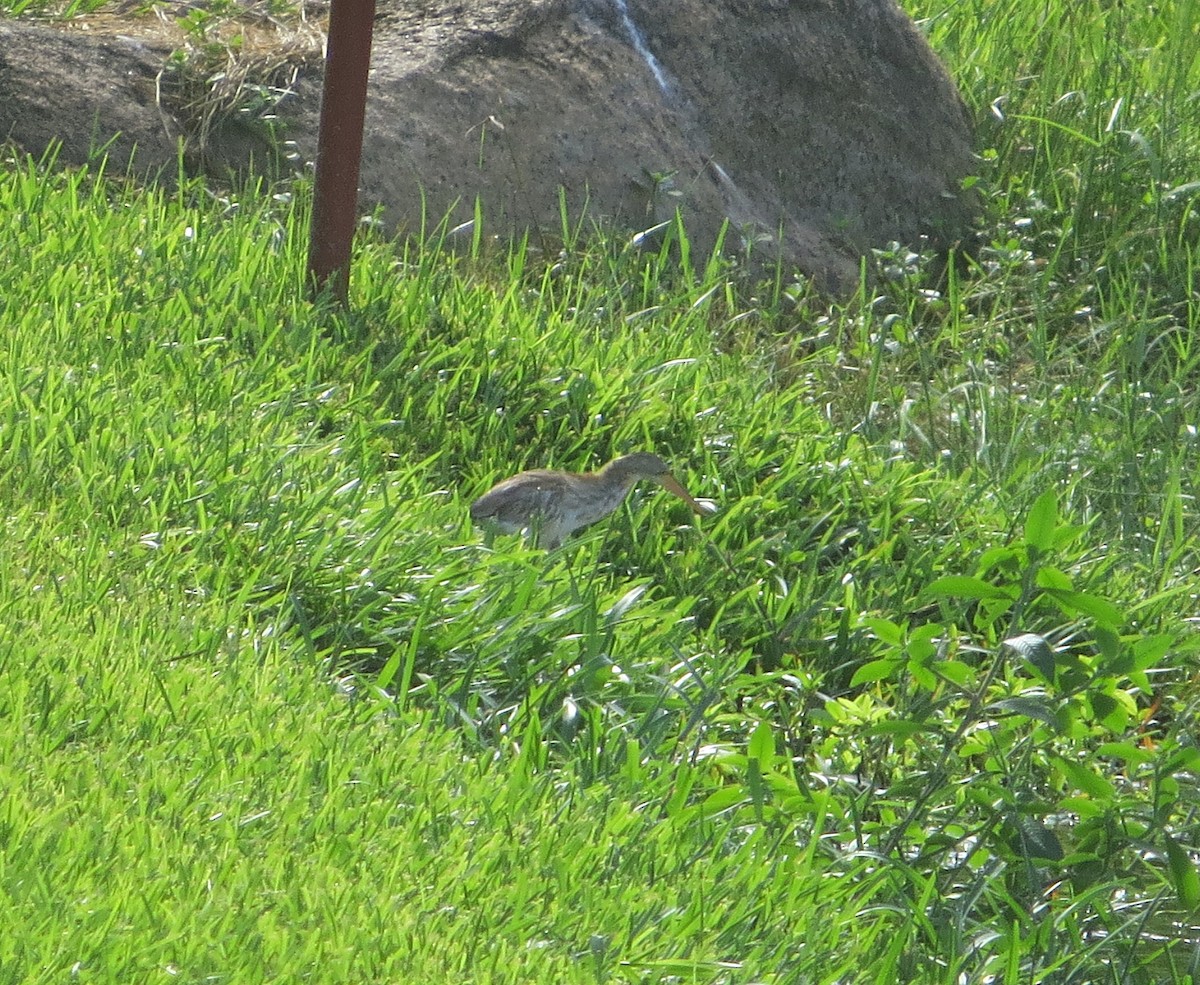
919	704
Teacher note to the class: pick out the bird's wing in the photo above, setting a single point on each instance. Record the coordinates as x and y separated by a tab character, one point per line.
519	499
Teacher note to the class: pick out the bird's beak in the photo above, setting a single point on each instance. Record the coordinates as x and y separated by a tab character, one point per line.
667	481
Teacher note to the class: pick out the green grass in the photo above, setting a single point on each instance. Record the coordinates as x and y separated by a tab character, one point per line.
919	704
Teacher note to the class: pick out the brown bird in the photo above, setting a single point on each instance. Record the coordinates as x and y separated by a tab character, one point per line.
547	504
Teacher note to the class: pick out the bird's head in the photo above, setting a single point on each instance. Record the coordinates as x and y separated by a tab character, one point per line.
647	465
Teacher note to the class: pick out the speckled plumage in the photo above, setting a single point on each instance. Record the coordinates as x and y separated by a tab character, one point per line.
549	505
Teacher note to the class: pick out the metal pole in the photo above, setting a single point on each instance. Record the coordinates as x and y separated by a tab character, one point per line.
339	144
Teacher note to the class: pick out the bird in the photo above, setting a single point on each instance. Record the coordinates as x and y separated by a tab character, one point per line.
547	504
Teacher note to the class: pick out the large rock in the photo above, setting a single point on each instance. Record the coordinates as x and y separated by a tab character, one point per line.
90	93
821	128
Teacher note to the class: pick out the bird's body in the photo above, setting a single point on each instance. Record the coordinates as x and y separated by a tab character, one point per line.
549	504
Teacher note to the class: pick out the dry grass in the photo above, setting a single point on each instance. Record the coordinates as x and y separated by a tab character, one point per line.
223	62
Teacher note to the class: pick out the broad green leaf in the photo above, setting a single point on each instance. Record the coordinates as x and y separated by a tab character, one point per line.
925	634
922	674
1184	876
1035	651
1081	603
1183	758
1107	642
902	729
1085	779
1085	807
1051	577
885	630
1066	533
1086	869
1038	841
876	670
1007	558
1126	752
1142	655
1036	708
920	649
1108	709
964	586
721	801
955	671
1042	521
762	746
779	785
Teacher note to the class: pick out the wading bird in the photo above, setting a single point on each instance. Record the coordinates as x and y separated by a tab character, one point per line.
547	504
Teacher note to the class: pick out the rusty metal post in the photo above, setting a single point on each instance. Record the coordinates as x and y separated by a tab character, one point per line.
339	144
